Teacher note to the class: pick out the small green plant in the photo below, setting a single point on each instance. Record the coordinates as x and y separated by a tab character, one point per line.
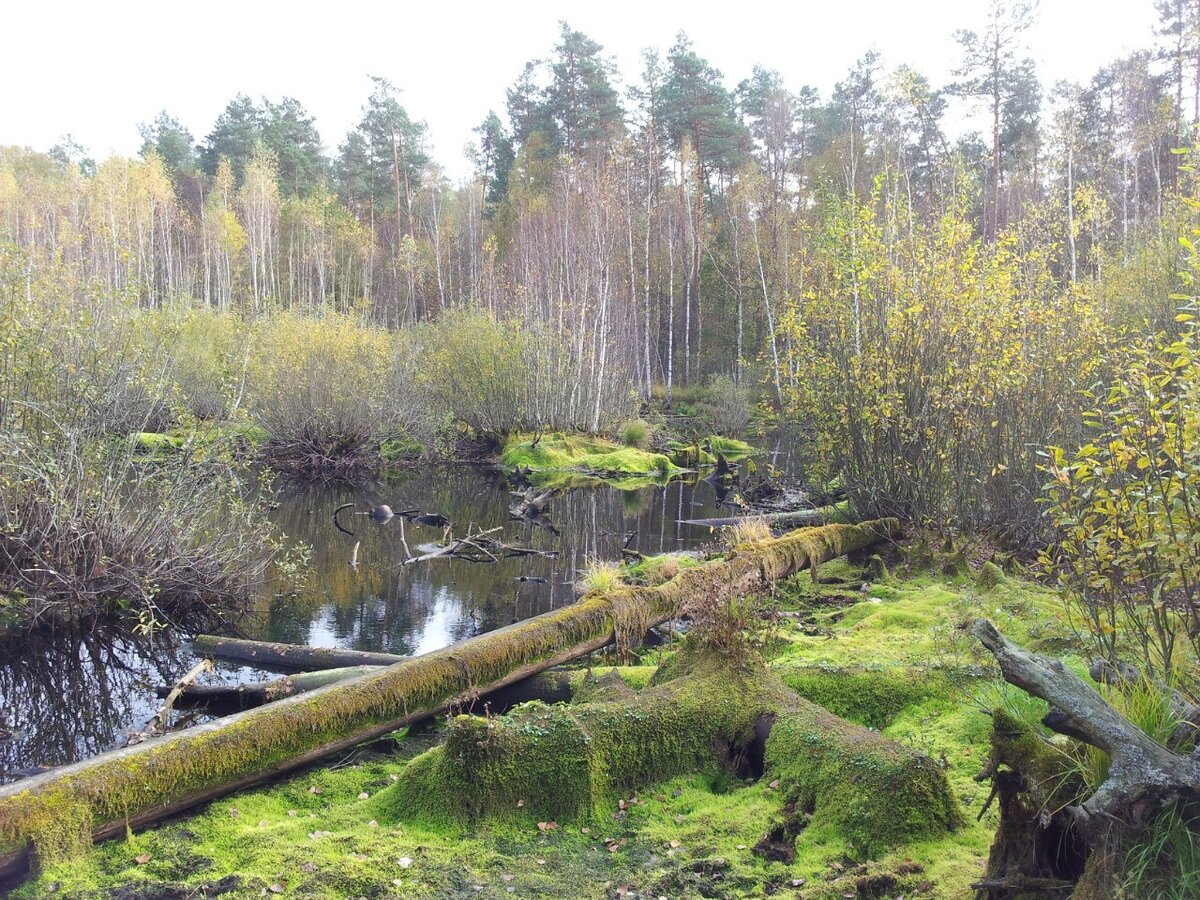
636	433
1163	862
1144	703
599	576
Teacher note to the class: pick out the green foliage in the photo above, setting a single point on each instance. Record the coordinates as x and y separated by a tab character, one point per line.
932	403
1128	529
1163	860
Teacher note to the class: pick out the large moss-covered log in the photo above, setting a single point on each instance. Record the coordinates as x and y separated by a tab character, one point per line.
62	810
575	762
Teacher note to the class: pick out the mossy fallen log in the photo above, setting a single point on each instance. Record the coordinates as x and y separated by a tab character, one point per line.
700	714
58	812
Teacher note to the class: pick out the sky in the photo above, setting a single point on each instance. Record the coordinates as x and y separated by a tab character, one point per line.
97	69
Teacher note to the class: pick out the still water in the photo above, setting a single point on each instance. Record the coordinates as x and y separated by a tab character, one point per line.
74	695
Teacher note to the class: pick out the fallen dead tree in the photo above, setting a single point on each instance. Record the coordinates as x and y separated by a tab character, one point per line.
1144	777
269	654
60	811
580	761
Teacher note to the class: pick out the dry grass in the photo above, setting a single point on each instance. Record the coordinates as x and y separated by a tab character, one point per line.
747	531
599	577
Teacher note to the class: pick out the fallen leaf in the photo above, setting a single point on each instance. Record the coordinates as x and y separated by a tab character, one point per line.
541	862
309	867
372	824
292	813
797	882
507	877
741	846
363	795
394	777
262	823
547	826
520	803
233	813
679	820
774	785
405	862
276	888
316	790
142	858
585	830
674	844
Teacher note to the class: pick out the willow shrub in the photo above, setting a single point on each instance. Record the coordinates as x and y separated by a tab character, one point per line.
931	367
330	389
1126	508
504	375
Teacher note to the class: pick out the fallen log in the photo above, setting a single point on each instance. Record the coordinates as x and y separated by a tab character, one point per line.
296	657
59	812
255	693
794	518
583	761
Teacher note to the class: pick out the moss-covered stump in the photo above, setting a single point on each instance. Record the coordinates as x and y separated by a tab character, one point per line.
1037	850
582	761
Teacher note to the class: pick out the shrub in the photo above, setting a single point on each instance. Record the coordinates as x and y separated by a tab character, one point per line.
92	534
1124	509
727	405
329	390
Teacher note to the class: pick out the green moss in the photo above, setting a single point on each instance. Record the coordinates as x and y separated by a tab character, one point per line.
871	697
398	448
565	453
155	442
657	569
732	448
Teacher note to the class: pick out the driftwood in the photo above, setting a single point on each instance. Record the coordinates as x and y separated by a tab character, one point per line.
170	695
255	693
793	518
478	547
1143	777
127	789
295	657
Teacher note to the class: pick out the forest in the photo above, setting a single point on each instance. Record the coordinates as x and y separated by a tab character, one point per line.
724	490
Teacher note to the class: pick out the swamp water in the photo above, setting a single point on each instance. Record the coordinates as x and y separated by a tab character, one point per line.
70	696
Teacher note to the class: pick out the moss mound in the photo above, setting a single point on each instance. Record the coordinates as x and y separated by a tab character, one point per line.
699	715
593	456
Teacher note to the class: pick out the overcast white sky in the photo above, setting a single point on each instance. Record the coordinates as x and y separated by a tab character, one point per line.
97	69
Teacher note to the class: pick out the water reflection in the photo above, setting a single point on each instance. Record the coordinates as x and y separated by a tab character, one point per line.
76	695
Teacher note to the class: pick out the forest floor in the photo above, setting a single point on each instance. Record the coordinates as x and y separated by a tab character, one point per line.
887	653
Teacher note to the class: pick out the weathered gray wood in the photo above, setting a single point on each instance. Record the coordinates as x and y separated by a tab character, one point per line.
256	693
1142	770
269	654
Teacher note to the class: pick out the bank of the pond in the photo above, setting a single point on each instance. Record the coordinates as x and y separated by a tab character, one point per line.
882	651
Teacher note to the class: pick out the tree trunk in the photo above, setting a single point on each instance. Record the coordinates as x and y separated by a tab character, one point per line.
56	812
